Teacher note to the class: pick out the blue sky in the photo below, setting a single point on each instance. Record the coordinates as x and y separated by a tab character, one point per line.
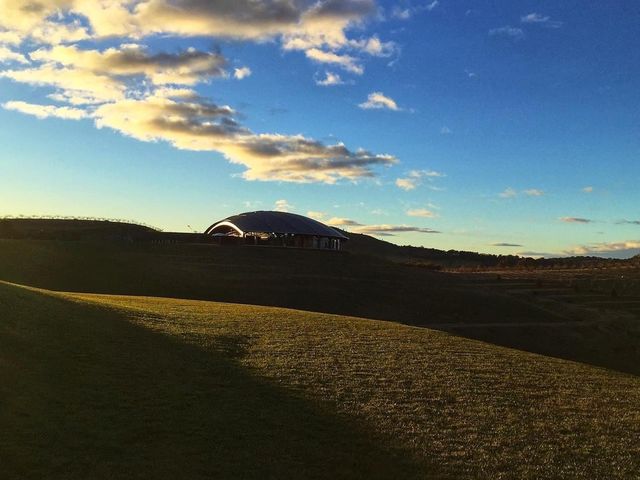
505	127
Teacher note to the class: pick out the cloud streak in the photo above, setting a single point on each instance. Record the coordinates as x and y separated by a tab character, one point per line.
575	220
421	212
538	19
508	31
391	230
622	249
46	111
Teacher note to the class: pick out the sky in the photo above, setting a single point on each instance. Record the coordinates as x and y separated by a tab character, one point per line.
508	127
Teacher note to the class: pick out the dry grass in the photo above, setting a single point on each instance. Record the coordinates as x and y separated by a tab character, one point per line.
234	391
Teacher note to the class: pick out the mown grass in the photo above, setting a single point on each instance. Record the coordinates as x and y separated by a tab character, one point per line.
138	387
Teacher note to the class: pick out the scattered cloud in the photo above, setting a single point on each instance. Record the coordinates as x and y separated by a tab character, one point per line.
445	131
421	212
415	178
391	230
330	79
242	72
505	244
628	222
141	93
46	111
514	33
588	189
377	100
538	19
508	193
575	220
534	192
282	206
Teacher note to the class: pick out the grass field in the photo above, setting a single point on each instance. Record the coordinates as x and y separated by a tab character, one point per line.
99	386
328	282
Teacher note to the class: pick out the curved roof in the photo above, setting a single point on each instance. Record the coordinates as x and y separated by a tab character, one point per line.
276	222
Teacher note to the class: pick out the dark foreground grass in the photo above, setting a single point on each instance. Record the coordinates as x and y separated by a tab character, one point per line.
131	387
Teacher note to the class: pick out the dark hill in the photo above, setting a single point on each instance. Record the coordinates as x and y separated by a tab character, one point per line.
430	258
73	229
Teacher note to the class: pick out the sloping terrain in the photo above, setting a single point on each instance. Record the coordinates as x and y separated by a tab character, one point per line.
95	386
330	282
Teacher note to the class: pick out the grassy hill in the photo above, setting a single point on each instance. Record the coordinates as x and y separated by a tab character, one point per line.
341	283
96	386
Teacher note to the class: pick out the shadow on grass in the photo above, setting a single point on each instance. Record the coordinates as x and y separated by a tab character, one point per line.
84	393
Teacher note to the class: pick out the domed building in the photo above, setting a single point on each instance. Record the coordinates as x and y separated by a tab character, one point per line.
276	229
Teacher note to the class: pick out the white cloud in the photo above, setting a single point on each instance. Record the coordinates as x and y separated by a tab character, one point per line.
508	193
421	212
46	111
507	31
544	20
407	183
373	46
415	178
282	206
8	55
622	249
432	5
330	79
333	221
93	87
445	131
588	189
377	100
316	215
534	192
141	93
186	68
346	62
203	126
242	72
406	13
